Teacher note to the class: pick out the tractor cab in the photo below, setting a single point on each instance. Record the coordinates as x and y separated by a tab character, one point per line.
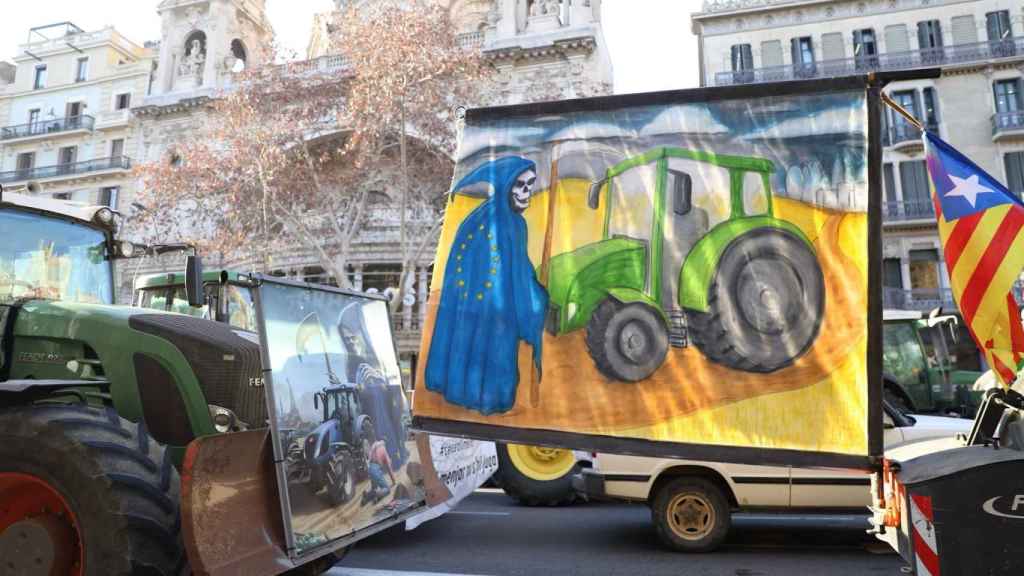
227	297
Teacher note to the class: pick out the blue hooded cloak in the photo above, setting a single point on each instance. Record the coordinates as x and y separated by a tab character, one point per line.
490	300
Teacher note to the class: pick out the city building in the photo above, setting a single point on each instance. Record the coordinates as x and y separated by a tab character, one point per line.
541	50
65	113
976	105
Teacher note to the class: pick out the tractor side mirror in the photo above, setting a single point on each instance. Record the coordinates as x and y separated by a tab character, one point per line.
594	197
194	280
682	192
316	401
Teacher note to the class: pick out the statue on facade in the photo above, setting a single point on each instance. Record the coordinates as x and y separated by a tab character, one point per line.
194	61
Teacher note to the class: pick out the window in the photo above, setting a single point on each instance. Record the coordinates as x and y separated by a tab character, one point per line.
1009	103
1000	34
832	47
40	79
73	110
117	148
26	162
929	40
896	39
1014	162
901	130
65	158
82	71
889	180
108	196
924	271
803	57
33	118
62	196
742	63
931	109
917	202
892	273
755	200
964	30
865	49
123	101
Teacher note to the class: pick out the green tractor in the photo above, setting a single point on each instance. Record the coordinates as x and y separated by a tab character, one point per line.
98	404
691	253
919	370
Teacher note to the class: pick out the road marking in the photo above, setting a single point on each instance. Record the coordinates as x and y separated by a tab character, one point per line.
474	513
367	572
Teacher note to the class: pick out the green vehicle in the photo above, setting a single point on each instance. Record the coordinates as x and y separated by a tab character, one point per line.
919	370
98	403
227	297
691	253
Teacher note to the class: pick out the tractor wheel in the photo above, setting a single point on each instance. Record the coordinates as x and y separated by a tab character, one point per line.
536	476
628	342
341	480
85	492
765	305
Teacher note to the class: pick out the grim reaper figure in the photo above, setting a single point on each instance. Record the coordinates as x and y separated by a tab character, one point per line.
490	297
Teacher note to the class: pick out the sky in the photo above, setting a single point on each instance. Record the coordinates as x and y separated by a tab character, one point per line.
649	40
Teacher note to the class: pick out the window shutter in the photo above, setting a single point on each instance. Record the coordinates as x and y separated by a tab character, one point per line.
832	46
896	39
735	57
964	30
992	25
747	56
931	107
1014	162
771	53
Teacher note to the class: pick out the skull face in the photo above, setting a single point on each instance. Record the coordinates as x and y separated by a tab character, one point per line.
522	190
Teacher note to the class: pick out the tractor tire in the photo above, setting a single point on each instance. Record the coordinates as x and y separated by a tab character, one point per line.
536	476
691	514
341	480
628	342
112	494
765	305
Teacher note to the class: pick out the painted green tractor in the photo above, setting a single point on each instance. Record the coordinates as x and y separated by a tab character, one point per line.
691	253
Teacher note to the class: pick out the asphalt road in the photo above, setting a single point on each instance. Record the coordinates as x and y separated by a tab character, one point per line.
489	535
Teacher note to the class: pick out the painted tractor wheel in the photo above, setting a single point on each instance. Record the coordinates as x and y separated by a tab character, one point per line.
341	480
535	475
691	515
86	493
628	342
766	303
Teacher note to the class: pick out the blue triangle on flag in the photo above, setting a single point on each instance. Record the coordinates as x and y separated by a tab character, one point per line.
962	187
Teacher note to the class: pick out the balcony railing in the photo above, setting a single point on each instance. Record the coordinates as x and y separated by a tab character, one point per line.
903	133
908	210
943	56
52	126
1007	122
923	299
70	169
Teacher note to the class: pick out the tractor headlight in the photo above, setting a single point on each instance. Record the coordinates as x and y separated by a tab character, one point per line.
224	420
126	248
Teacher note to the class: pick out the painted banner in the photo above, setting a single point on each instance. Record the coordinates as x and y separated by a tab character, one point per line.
339	417
638	275
462	465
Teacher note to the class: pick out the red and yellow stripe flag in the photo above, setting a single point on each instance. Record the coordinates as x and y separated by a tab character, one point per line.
981	224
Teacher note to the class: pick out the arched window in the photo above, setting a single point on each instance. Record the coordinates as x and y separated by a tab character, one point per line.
241	56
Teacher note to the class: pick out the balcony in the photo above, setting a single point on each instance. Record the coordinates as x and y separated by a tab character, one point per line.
82	123
961	54
923	299
908	210
67	170
1007	125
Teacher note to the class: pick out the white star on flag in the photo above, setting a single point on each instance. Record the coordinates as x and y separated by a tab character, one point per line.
968	188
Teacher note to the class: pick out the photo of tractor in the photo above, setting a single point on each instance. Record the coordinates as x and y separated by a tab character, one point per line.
333	457
691	254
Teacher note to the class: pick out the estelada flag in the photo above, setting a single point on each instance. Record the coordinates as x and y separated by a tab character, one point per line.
981	224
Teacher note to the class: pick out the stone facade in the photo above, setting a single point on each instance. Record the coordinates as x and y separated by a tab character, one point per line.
65	119
976	104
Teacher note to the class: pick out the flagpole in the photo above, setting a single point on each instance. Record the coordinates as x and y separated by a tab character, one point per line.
902	112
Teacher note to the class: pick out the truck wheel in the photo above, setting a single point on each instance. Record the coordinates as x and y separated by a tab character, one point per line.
87	493
628	342
765	305
341	480
536	476
691	515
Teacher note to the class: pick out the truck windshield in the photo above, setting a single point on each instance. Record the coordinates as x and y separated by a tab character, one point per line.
902	356
45	257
